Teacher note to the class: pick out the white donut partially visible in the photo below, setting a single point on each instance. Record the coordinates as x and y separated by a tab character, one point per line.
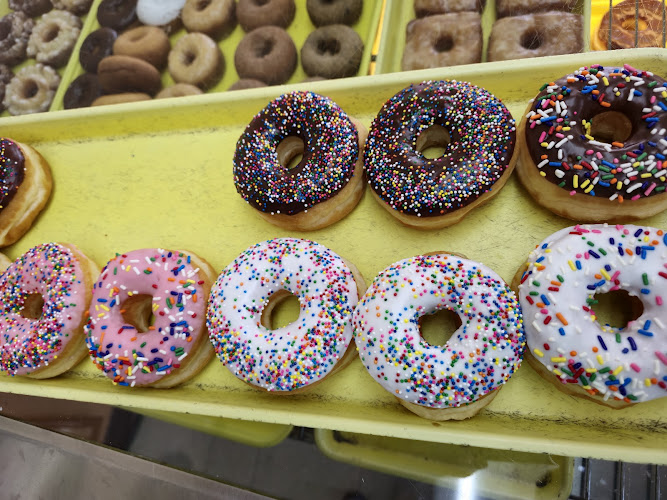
159	12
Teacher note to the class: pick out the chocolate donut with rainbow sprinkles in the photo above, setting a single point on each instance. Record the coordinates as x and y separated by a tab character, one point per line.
593	145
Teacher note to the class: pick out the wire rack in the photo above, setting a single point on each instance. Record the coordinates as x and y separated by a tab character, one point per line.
638	10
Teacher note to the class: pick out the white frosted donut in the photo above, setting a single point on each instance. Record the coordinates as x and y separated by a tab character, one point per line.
159	13
557	291
478	358
306	350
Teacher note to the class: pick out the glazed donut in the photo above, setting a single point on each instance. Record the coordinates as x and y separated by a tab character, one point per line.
477	132
149	43
443	40
424	8
15	29
325	12
117	14
172	287
307	350
178	90
53	38
6	76
254	14
25	187
456	380
215	18
31	8
118	74
122	98
332	51
44	297
82	91
77	7
196	59
593	145
31	90
536	35
267	54
649	21
566	344
95	47
246	83
325	185
506	8
159	12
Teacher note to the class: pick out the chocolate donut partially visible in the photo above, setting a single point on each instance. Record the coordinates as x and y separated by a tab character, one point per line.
82	92
117	14
96	46
12	170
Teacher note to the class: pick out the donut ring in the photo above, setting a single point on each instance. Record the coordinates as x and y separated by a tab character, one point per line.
76	7
118	74
307	350
95	47
461	376
82	91
196	59
558	285
325	12
51	283
53	38
31	90
267	54
254	14
117	14
170	286
15	29
149	43
31	8
332	51
425	8
649	22
179	90
215	18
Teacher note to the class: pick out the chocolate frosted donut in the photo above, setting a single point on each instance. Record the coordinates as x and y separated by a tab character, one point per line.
82	91
253	14
425	8
96	46
267	54
326	12
518	7
15	29
332	51
117	14
31	8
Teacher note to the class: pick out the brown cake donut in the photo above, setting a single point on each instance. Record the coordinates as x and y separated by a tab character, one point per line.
96	46
443	40
82	91
117	14
31	8
215	18
178	90
332	51
196	59
246	83
425	8
31	90
15	29
253	14
536	35
53	37
506	8
267	54
325	12
649	21
149	43
120	74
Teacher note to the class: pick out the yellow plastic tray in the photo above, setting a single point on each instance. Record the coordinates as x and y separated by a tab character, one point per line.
400	12
159	173
299	30
598	10
491	473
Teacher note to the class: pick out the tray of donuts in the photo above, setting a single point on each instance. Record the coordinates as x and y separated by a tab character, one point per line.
177	217
37	38
420	34
156	49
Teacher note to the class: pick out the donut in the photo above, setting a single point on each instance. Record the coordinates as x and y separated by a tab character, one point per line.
159	12
83	90
536	35
328	181
117	14
645	16
456	380
215	18
424	8
443	40
246	83
44	297
593	144
31	90
267	54
121	98
253	14
478	135
31	8
325	12
6	76
118	74
77	7
559	287
95	47
303	353
506	8
332	51
52	40
15	29
169	286
196	59
149	43
178	90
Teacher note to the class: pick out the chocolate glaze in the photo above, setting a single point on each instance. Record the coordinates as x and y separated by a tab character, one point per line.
96	46
12	170
117	14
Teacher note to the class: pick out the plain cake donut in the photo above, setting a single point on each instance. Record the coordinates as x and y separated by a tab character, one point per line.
267	54
149	43
325	12
196	59
254	14
333	51
215	18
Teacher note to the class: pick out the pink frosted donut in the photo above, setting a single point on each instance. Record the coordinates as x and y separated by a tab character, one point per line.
170	288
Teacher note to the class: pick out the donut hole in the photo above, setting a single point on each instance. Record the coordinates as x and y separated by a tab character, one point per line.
33	305
329	46
137	311
616	308
202	4
437	328
290	152
29	89
188	57
51	34
263	48
531	39
444	44
432	142
611	126
282	309
628	24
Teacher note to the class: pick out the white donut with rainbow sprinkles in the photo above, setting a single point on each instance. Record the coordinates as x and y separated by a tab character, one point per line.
557	290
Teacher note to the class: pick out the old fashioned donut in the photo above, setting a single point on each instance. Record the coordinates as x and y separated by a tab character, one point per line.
559	288
443	40
44	297
649	22
267	54
31	90
196	59
478	135
95	47
160	12
119	74
82	91
456	380
122	98
332	51
53	38
149	43
171	287
6	76
506	8
253	14
325	12
424	8
15	29
31	8
593	145
328	181
215	18
77	7
298	355
246	83
536	35
178	90
117	14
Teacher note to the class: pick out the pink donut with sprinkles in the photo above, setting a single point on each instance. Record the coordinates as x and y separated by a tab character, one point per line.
44	297
147	318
